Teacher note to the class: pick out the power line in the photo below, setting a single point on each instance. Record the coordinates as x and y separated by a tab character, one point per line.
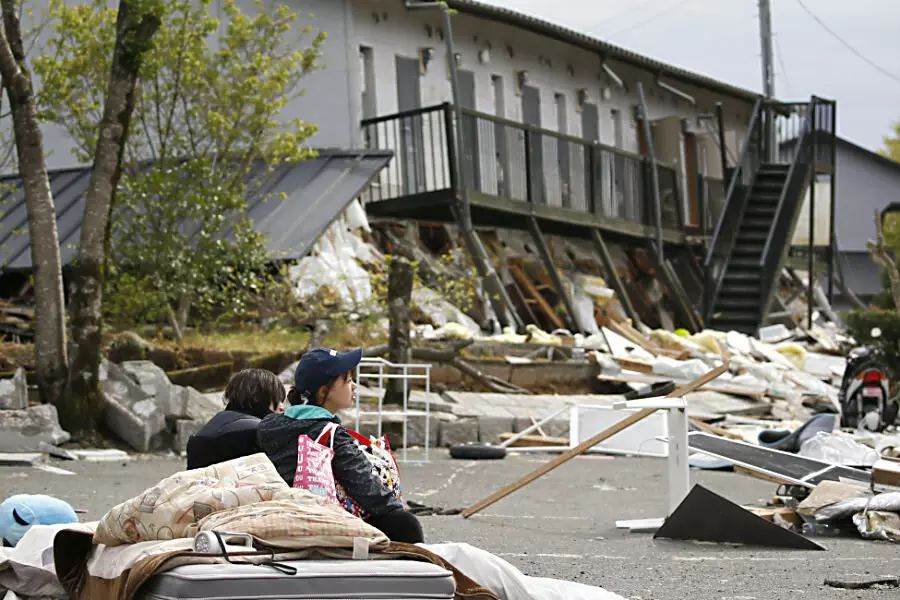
619	14
847	44
650	19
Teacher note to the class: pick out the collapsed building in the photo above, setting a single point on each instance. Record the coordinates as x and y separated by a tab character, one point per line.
568	170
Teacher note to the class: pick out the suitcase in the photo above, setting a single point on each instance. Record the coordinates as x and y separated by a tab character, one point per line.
315	579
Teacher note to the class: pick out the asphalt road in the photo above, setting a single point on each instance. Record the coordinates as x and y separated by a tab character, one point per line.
562	525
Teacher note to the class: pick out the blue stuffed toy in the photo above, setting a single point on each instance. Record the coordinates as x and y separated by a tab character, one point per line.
19	513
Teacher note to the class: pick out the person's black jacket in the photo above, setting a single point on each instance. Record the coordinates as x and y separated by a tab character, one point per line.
277	435
228	435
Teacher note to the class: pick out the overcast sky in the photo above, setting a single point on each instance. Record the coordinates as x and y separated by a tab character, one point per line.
720	38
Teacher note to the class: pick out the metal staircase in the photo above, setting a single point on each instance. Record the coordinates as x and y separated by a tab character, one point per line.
786	145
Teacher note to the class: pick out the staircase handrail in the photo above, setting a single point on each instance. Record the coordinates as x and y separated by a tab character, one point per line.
735	177
803	145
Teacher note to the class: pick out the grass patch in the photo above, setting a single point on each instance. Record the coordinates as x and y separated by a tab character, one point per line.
257	341
13	356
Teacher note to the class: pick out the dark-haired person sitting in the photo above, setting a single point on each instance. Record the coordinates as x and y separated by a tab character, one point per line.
323	386
250	395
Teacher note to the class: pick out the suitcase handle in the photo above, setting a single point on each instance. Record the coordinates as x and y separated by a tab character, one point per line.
220	542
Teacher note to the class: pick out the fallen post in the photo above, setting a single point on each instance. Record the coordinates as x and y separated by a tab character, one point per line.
588	444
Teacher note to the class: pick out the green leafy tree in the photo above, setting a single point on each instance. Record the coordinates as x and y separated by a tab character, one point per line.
892	143
207	130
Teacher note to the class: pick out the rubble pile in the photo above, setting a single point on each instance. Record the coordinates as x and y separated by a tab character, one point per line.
143	408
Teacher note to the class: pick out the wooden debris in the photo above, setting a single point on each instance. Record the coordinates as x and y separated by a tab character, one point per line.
715	430
537	298
534	441
725	388
590	443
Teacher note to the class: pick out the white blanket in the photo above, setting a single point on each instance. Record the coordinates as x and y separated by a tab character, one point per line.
508	582
27	572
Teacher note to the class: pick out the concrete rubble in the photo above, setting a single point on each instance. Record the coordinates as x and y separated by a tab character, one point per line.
149	412
14	392
26	429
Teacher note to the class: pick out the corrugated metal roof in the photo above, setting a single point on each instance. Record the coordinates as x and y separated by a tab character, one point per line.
315	192
570	36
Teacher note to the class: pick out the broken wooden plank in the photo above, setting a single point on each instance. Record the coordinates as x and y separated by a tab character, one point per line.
590	443
519	274
724	388
534	441
715	430
634	365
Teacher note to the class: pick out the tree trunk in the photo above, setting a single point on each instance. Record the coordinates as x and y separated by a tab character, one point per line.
881	256
400	284
135	28
49	317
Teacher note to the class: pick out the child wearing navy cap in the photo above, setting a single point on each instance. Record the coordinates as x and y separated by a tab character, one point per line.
323	386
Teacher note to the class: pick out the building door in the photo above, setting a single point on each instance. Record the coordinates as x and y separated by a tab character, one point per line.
412	144
590	131
562	151
692	174
501	146
469	153
531	113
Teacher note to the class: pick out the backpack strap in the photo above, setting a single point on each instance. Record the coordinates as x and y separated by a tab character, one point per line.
327	435
360	438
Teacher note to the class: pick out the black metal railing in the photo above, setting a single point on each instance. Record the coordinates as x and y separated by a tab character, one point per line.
521	162
714	190
421	140
810	151
736	197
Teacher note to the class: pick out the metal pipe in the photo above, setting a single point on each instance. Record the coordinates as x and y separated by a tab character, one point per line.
496	292
533	427
612	75
811	274
676	91
832	233
654	173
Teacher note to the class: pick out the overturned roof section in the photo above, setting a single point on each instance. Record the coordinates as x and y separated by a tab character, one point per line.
592	44
293	207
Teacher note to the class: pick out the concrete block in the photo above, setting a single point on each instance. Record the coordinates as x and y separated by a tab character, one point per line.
20	459
137	424
24	430
153	381
102	455
57	452
462	430
436	403
491	427
14	392
184	429
192	404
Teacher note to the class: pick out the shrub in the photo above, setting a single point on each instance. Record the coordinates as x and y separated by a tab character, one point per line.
860	324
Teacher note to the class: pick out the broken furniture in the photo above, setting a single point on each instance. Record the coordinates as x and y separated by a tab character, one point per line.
680	454
707	517
380	371
775	465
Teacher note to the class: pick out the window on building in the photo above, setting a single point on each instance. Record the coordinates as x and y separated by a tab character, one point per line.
367	69
499	100
562	121
618	128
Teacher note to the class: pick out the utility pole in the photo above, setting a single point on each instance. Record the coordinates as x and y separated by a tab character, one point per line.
765	39
768	72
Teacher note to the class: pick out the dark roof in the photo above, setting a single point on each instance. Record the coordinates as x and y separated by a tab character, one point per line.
874	155
315	192
592	44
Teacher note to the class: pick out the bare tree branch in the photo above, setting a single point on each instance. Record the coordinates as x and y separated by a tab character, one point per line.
880	254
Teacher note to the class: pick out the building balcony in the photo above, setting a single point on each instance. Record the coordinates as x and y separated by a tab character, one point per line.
513	171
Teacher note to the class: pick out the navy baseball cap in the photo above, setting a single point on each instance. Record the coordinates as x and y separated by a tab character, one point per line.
317	366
